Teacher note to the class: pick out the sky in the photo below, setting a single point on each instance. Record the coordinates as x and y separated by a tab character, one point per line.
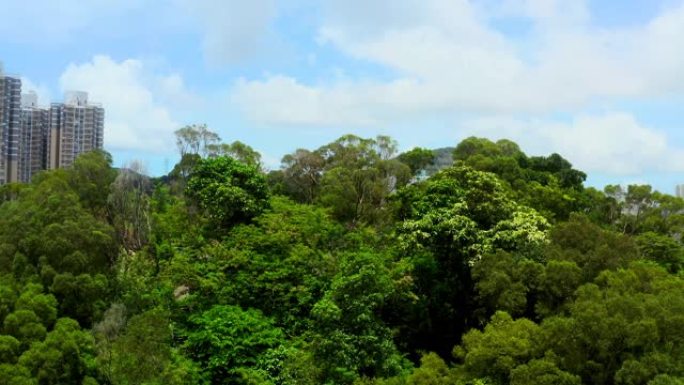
600	82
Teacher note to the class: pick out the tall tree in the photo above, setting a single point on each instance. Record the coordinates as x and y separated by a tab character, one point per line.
228	191
129	206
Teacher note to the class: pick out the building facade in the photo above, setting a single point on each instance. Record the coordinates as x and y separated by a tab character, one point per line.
33	138
75	127
679	190
10	125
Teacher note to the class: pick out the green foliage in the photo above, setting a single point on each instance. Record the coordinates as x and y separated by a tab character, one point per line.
418	159
25	326
90	175
352	176
138	351
238	151
195	139
349	338
300	176
81	296
592	248
226	339
662	249
48	226
509	283
432	371
359	175
43	305
491	268
450	222
128	204
65	356
282	263
548	184
542	371
9	349
621	329
502	346
228	192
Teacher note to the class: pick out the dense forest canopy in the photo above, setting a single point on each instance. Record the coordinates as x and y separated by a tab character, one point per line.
350	264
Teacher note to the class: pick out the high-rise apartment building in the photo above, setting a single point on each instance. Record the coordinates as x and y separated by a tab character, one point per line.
679	190
75	127
33	138
10	120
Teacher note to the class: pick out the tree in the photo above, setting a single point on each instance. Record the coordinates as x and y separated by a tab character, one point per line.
187	140
349	340
80	296
449	222
418	159
9	349
504	345
508	282
142	353
542	371
237	150
281	263
548	184
301	175
638	199
105	333
195	139
228	339
589	246
65	356
353	176
182	170
90	176
43	305
359	176
49	229
662	249
128	205
227	191
15	375
25	326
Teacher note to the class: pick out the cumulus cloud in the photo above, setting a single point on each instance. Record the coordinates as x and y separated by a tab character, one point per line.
447	55
49	21
135	117
284	100
612	142
40	89
232	30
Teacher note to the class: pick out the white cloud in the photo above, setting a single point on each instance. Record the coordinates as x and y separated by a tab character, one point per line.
232	29
283	99
447	56
572	12
171	91
49	21
40	89
135	117
612	142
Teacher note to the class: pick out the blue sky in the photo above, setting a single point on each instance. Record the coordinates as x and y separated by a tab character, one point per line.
598	81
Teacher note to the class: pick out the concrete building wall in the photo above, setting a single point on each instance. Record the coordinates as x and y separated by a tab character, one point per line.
679	191
75	127
34	125
10	120
34	138
54	130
